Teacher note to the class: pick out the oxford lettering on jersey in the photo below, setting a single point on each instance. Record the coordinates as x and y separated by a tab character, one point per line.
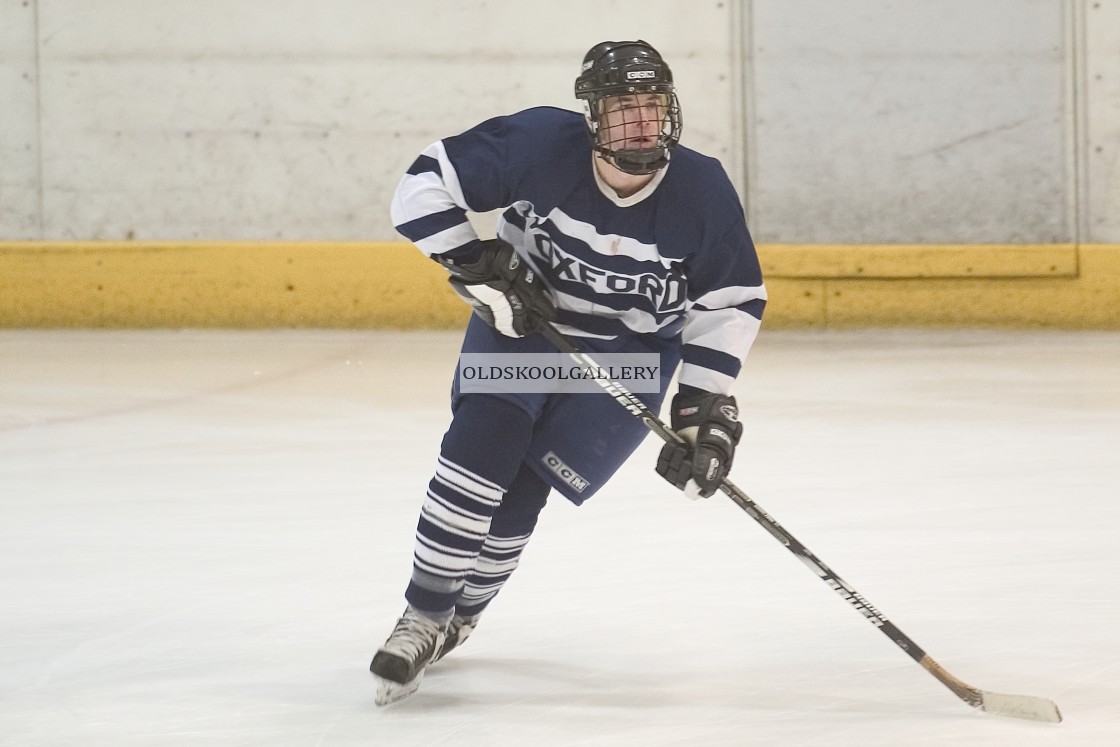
666	293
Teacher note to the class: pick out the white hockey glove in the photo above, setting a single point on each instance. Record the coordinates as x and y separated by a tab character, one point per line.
709	425
503	290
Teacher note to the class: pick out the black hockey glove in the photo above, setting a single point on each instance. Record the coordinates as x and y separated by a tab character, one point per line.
503	290
709	424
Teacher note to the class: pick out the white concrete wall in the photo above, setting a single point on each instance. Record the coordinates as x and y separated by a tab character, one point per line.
1101	100
294	119
20	210
940	121
869	120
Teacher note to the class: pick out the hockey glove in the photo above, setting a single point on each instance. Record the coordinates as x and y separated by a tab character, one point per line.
503	290
708	424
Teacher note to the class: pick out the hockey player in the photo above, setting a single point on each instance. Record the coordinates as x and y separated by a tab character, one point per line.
625	241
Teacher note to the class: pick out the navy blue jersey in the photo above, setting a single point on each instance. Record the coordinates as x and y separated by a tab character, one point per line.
675	260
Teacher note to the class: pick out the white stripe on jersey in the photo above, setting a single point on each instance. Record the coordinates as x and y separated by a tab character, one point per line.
445	241
732	295
635	319
428	193
706	379
610	244
729	331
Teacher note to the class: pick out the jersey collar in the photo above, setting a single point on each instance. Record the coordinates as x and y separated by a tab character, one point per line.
633	199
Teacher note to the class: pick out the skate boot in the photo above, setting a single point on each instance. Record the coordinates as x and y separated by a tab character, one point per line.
398	666
458	631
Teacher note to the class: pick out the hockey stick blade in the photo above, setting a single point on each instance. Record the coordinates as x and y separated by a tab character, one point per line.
1027	707
1015	706
1020	706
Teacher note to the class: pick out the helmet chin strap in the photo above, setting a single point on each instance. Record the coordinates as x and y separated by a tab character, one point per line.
640	162
636	161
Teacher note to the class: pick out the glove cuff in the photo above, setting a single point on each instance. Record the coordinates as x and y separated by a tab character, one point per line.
690	411
485	261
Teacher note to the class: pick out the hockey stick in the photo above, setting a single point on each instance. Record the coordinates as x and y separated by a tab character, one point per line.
1017	706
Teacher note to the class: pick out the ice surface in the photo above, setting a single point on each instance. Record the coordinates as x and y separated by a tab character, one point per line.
204	535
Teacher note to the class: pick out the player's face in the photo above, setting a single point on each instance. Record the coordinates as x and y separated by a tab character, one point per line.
632	121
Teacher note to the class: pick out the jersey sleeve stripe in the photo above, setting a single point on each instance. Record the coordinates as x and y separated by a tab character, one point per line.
730	330
749	298
722	329
716	360
424	164
706	379
428	207
449	240
432	223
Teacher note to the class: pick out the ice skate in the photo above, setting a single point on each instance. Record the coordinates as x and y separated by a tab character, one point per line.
398	666
458	631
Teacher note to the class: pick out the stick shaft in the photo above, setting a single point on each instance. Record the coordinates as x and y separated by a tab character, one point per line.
832	579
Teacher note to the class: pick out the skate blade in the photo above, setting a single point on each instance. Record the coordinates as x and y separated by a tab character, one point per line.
389	692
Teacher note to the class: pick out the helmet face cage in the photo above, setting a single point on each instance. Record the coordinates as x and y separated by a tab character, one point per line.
633	114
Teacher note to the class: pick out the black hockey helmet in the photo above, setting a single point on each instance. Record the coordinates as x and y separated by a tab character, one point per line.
628	68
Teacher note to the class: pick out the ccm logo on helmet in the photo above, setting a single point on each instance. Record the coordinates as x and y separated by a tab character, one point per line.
640	74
